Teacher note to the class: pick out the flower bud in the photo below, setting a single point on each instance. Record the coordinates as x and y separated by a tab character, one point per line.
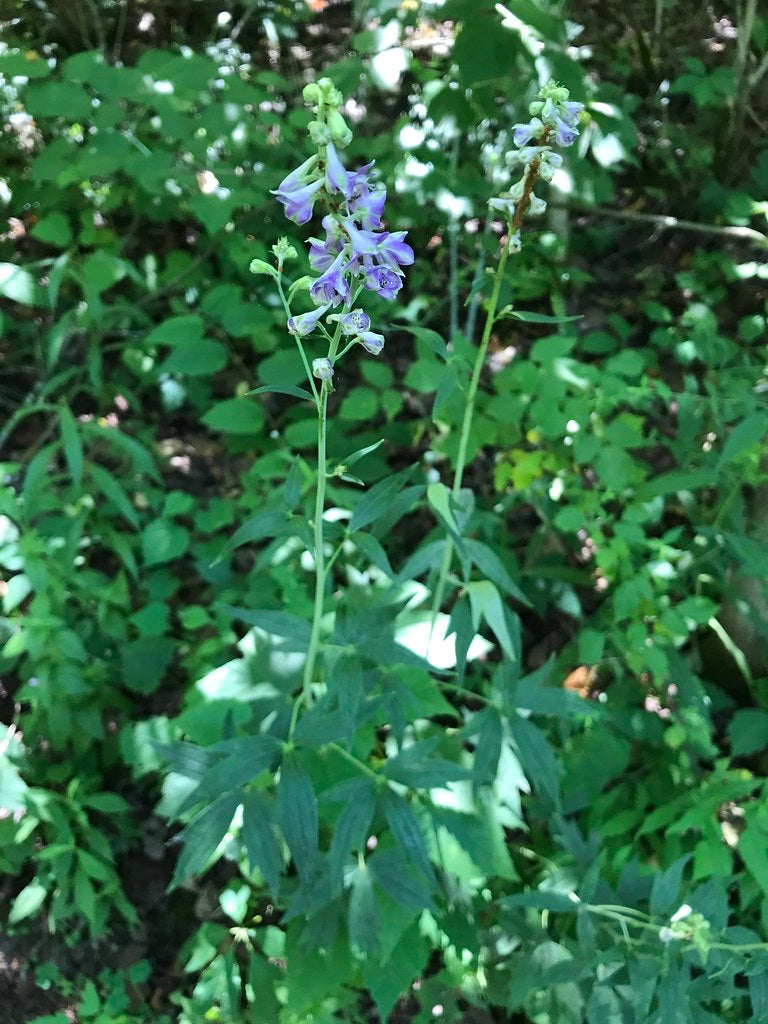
283	250
319	133
515	243
312	93
535	108
330	94
262	267
537	206
322	369
339	129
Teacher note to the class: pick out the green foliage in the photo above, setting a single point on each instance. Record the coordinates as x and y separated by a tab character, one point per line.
453	817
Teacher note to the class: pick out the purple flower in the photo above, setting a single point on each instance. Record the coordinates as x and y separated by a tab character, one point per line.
299	204
297	192
394	250
338	177
571	111
371	342
525	132
355	322
369	207
322	369
364	243
384	281
323	253
305	323
565	134
332	287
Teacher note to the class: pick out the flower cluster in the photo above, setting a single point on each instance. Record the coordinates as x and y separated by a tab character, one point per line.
356	253
553	119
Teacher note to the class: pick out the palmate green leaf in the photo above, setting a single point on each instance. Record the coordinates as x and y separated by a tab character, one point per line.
406	832
394	874
352	827
486	603
363	912
202	836
269	522
250	757
297	808
491	566
536	756
375	502
280	624
391	978
261	844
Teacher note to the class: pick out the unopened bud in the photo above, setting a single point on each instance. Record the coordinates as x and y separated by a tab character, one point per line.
339	129
319	133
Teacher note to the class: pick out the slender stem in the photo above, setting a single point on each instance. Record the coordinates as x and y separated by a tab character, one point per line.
302	353
317	616
469	409
321	570
466	427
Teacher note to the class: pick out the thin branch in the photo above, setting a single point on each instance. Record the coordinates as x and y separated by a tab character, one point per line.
668	222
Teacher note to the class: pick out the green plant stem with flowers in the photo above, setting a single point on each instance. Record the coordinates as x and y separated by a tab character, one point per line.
552	112
356	254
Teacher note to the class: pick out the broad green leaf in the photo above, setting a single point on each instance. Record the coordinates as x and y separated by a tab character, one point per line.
389	979
200	357
53	229
145	661
28	902
297	807
163	541
235	416
58	99
176	329
748	731
744	437
19	285
202	836
261	845
666	886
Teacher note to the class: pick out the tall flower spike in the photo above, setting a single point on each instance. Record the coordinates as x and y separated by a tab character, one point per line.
354	251
553	119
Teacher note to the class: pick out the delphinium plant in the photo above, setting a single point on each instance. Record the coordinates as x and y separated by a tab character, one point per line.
552	126
355	256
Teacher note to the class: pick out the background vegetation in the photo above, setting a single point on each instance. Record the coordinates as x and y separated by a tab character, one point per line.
527	821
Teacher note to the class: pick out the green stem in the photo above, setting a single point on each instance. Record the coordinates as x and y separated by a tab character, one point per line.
302	353
466	427
321	570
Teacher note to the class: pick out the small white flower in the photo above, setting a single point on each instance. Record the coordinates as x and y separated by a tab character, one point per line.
683	912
